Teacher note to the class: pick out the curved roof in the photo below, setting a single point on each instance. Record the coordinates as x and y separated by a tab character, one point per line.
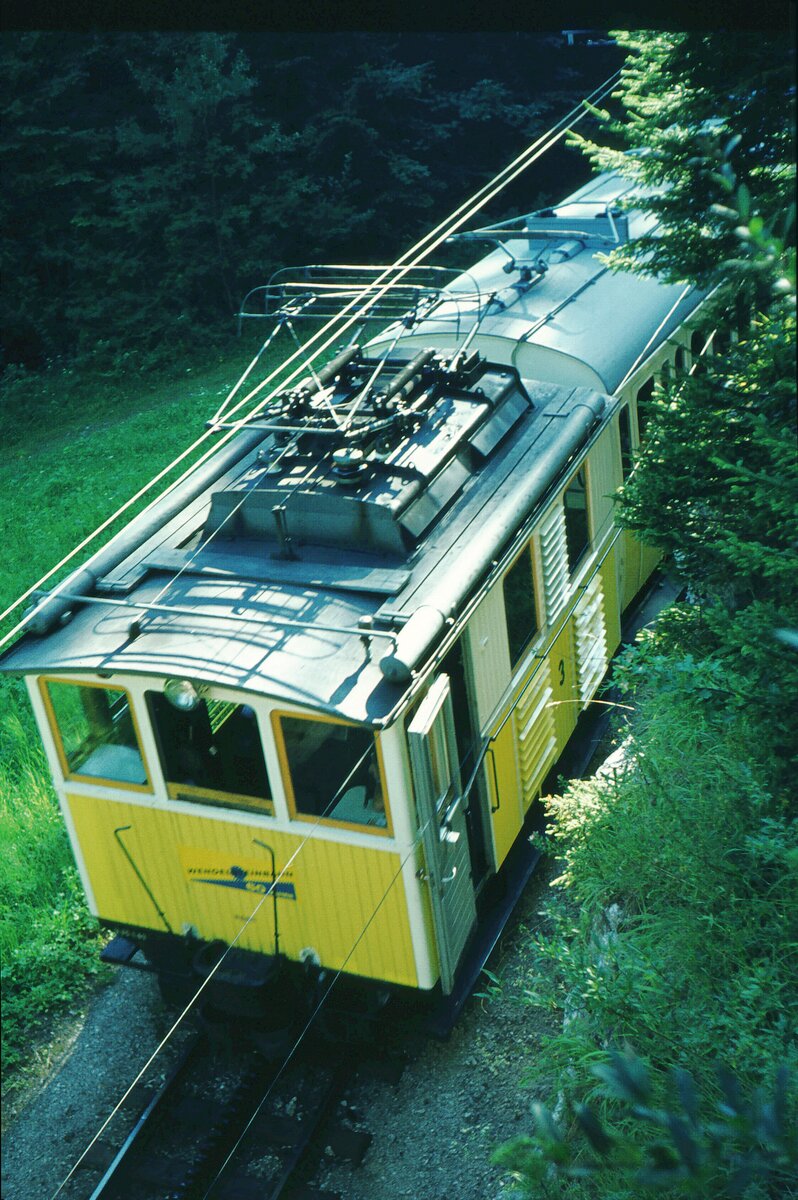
243	614
235	614
576	307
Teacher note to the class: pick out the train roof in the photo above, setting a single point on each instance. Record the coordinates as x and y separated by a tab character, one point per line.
294	580
319	555
546	286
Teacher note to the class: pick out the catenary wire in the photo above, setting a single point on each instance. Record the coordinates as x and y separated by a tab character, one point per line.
534	151
266	895
464	213
309	1023
435	237
313	826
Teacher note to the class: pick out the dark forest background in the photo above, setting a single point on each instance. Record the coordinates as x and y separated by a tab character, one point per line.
151	179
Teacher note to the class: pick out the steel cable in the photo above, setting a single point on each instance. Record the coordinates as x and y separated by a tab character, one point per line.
434	238
422	248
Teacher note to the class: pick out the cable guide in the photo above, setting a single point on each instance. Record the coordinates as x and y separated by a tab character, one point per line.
320	291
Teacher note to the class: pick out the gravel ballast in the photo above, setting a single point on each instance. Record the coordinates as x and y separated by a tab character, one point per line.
433	1132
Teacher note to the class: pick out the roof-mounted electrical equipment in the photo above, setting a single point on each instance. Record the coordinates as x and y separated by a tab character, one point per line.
369	453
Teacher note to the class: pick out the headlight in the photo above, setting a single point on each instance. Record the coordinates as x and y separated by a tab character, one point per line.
182	694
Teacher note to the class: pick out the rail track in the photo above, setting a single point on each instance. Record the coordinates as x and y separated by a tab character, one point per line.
226	1124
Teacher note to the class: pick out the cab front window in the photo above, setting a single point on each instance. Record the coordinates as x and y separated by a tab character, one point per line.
95	733
211	753
332	771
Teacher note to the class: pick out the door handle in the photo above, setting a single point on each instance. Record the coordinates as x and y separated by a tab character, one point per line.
450	837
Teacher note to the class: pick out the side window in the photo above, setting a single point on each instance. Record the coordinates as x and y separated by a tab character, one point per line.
644	398
697	342
721	343
95	733
332	771
678	358
577	533
519	605
625	432
465	733
211	753
742	318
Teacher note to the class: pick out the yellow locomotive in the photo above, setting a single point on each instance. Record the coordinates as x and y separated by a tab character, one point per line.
305	704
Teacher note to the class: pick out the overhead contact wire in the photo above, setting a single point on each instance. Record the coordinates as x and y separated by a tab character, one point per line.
309	1023
459	217
420	250
313	826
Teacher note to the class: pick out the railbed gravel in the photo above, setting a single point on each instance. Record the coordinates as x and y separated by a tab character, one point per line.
433	1131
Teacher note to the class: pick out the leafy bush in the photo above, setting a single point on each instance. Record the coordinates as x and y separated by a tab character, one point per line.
676	926
675	923
748	1147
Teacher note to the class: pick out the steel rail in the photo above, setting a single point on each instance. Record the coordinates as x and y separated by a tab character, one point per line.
309	1128
203	1176
144	1122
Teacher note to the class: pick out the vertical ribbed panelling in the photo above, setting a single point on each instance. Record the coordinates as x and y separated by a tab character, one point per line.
535	732
490	657
591	639
610	575
554	561
343	888
346	901
564	684
501	773
129	852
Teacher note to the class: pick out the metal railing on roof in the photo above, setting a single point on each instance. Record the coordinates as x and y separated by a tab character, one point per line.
319	292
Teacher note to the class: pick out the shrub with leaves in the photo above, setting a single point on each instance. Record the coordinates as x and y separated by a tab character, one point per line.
738	1147
674	921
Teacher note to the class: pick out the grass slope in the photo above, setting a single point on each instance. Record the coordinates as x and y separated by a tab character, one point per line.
78	444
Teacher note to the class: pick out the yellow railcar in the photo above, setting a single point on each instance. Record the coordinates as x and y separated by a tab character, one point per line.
305	705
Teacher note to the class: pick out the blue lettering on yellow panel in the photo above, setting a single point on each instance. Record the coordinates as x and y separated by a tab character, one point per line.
240	880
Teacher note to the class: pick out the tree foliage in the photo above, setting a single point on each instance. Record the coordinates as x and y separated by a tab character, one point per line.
710	119
700	111
152	179
674	930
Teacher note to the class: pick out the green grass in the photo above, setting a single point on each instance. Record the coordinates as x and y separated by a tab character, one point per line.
49	943
78	443
82	444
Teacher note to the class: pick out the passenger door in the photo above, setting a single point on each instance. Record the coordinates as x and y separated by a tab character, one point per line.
439	801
